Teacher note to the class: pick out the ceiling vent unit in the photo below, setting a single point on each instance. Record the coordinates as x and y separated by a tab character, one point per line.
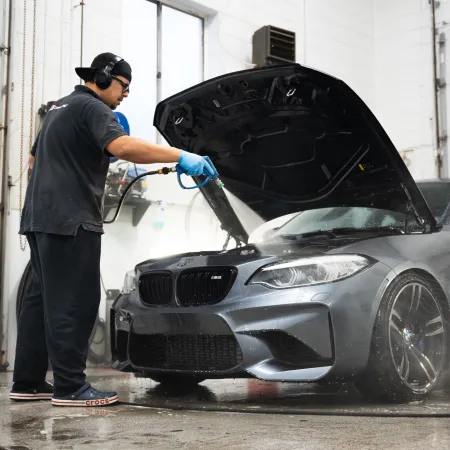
272	45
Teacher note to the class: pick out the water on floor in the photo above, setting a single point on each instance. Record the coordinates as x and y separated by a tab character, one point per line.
216	415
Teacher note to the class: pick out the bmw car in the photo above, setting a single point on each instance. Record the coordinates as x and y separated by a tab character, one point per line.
354	287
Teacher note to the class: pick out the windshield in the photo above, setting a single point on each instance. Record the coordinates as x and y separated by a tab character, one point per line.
349	217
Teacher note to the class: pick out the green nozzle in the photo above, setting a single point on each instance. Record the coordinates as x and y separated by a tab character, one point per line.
219	183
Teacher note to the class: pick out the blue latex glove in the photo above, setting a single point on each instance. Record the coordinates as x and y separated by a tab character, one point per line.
194	165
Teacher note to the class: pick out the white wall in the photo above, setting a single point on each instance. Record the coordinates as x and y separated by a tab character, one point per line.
403	80
351	39
328	36
339	40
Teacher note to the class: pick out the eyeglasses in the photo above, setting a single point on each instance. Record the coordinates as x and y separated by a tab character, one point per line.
125	86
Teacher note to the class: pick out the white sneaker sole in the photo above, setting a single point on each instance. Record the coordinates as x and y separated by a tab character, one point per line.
29	397
86	403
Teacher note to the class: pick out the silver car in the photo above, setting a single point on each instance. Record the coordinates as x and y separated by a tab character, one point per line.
355	287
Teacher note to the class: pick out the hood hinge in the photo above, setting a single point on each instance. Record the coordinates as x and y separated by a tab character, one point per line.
410	206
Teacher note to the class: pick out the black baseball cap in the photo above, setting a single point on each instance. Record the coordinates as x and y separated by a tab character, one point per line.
122	68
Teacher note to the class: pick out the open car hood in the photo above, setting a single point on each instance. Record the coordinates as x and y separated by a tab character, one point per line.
288	138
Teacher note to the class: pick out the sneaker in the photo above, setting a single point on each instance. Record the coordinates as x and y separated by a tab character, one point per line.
44	391
86	396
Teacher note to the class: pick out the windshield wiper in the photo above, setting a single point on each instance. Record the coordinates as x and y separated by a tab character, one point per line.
369	229
315	233
334	232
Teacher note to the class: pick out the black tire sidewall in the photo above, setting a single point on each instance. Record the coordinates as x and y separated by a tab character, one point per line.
381	379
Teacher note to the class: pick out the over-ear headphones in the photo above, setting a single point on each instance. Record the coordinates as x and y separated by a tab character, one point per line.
103	78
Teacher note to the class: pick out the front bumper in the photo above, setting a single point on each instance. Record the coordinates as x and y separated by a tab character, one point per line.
302	334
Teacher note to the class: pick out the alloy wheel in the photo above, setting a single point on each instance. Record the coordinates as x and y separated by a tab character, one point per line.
417	337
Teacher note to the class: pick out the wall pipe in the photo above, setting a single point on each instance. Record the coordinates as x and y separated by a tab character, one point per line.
4	180
82	5
436	92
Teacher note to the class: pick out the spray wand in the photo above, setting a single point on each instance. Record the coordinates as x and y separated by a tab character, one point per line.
165	171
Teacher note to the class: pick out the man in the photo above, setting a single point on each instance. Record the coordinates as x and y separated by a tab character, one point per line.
62	219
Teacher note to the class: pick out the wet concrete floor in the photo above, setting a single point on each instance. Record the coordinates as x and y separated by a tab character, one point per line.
219	414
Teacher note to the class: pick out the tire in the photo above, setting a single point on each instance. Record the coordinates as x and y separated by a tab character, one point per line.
408	351
176	380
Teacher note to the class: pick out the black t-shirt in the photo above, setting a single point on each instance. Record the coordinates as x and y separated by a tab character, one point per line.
71	164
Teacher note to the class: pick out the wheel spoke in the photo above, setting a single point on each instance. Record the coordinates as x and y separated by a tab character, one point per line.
396	315
424	363
416	295
397	330
403	370
396	324
416	337
438	325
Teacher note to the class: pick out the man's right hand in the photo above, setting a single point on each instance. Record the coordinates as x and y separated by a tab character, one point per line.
194	165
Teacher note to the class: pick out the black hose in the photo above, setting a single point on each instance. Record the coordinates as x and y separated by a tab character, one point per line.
122	198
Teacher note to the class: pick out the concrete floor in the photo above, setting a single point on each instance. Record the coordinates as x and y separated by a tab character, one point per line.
145	419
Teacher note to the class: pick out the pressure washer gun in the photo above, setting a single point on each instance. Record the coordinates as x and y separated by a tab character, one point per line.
214	177
180	171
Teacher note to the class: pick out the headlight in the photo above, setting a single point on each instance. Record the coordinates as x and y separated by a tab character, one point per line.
129	284
310	271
